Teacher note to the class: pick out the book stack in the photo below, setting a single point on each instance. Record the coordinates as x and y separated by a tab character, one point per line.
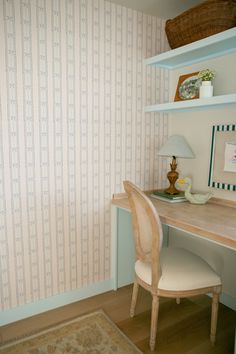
170	198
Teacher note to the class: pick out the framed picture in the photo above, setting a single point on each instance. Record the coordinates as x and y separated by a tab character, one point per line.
188	87
222	171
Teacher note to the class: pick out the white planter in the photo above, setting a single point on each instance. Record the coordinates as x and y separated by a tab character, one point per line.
206	89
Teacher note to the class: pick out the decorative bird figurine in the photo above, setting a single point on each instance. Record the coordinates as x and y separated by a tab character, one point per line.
194	198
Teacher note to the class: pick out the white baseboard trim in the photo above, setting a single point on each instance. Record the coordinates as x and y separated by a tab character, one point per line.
40	306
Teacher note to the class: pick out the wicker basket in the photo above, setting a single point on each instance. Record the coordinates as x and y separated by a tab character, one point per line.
206	19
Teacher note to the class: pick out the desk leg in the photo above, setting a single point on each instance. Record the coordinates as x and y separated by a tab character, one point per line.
165	229
114	246
123	252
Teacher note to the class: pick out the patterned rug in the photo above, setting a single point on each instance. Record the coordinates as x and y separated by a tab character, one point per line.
94	333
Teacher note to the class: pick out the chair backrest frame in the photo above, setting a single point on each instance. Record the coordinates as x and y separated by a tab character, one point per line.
142	210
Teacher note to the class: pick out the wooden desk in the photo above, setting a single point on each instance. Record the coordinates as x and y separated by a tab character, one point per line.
215	221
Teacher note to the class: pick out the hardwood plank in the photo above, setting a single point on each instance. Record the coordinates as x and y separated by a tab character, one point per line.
182	329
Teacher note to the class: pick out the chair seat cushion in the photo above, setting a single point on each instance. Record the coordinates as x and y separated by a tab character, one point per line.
181	271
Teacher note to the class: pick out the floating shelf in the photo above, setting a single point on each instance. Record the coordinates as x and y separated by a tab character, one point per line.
211	102
208	48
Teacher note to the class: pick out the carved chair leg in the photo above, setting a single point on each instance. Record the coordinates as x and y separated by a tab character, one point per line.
134	298
154	319
214	315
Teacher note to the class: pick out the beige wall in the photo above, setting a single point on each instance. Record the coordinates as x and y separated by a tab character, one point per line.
196	126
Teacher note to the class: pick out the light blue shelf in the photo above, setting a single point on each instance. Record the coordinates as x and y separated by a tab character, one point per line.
204	49
211	102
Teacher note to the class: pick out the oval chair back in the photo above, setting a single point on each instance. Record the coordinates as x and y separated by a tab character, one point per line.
147	229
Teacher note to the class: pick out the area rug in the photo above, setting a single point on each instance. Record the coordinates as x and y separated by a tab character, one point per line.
94	333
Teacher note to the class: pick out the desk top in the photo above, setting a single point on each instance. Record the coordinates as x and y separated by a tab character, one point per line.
215	221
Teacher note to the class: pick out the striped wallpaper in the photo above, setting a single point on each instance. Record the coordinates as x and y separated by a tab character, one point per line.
72	91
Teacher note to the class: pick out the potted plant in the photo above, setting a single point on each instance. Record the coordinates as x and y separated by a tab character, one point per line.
206	89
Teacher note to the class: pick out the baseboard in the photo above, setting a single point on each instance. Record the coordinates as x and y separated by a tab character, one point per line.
37	307
228	301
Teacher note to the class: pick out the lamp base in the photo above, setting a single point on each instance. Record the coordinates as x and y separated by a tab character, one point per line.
172	177
172	190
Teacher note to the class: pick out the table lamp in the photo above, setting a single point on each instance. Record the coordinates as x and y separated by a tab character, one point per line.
176	146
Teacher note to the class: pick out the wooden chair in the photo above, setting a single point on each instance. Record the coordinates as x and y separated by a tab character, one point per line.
167	272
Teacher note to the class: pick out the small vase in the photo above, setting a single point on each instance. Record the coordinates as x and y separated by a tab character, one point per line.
206	89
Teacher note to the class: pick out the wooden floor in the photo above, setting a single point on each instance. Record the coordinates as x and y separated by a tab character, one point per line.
182	329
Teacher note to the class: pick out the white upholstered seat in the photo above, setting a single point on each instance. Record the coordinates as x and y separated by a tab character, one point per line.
167	272
181	270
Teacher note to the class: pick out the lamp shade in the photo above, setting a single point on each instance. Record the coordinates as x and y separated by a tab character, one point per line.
176	146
